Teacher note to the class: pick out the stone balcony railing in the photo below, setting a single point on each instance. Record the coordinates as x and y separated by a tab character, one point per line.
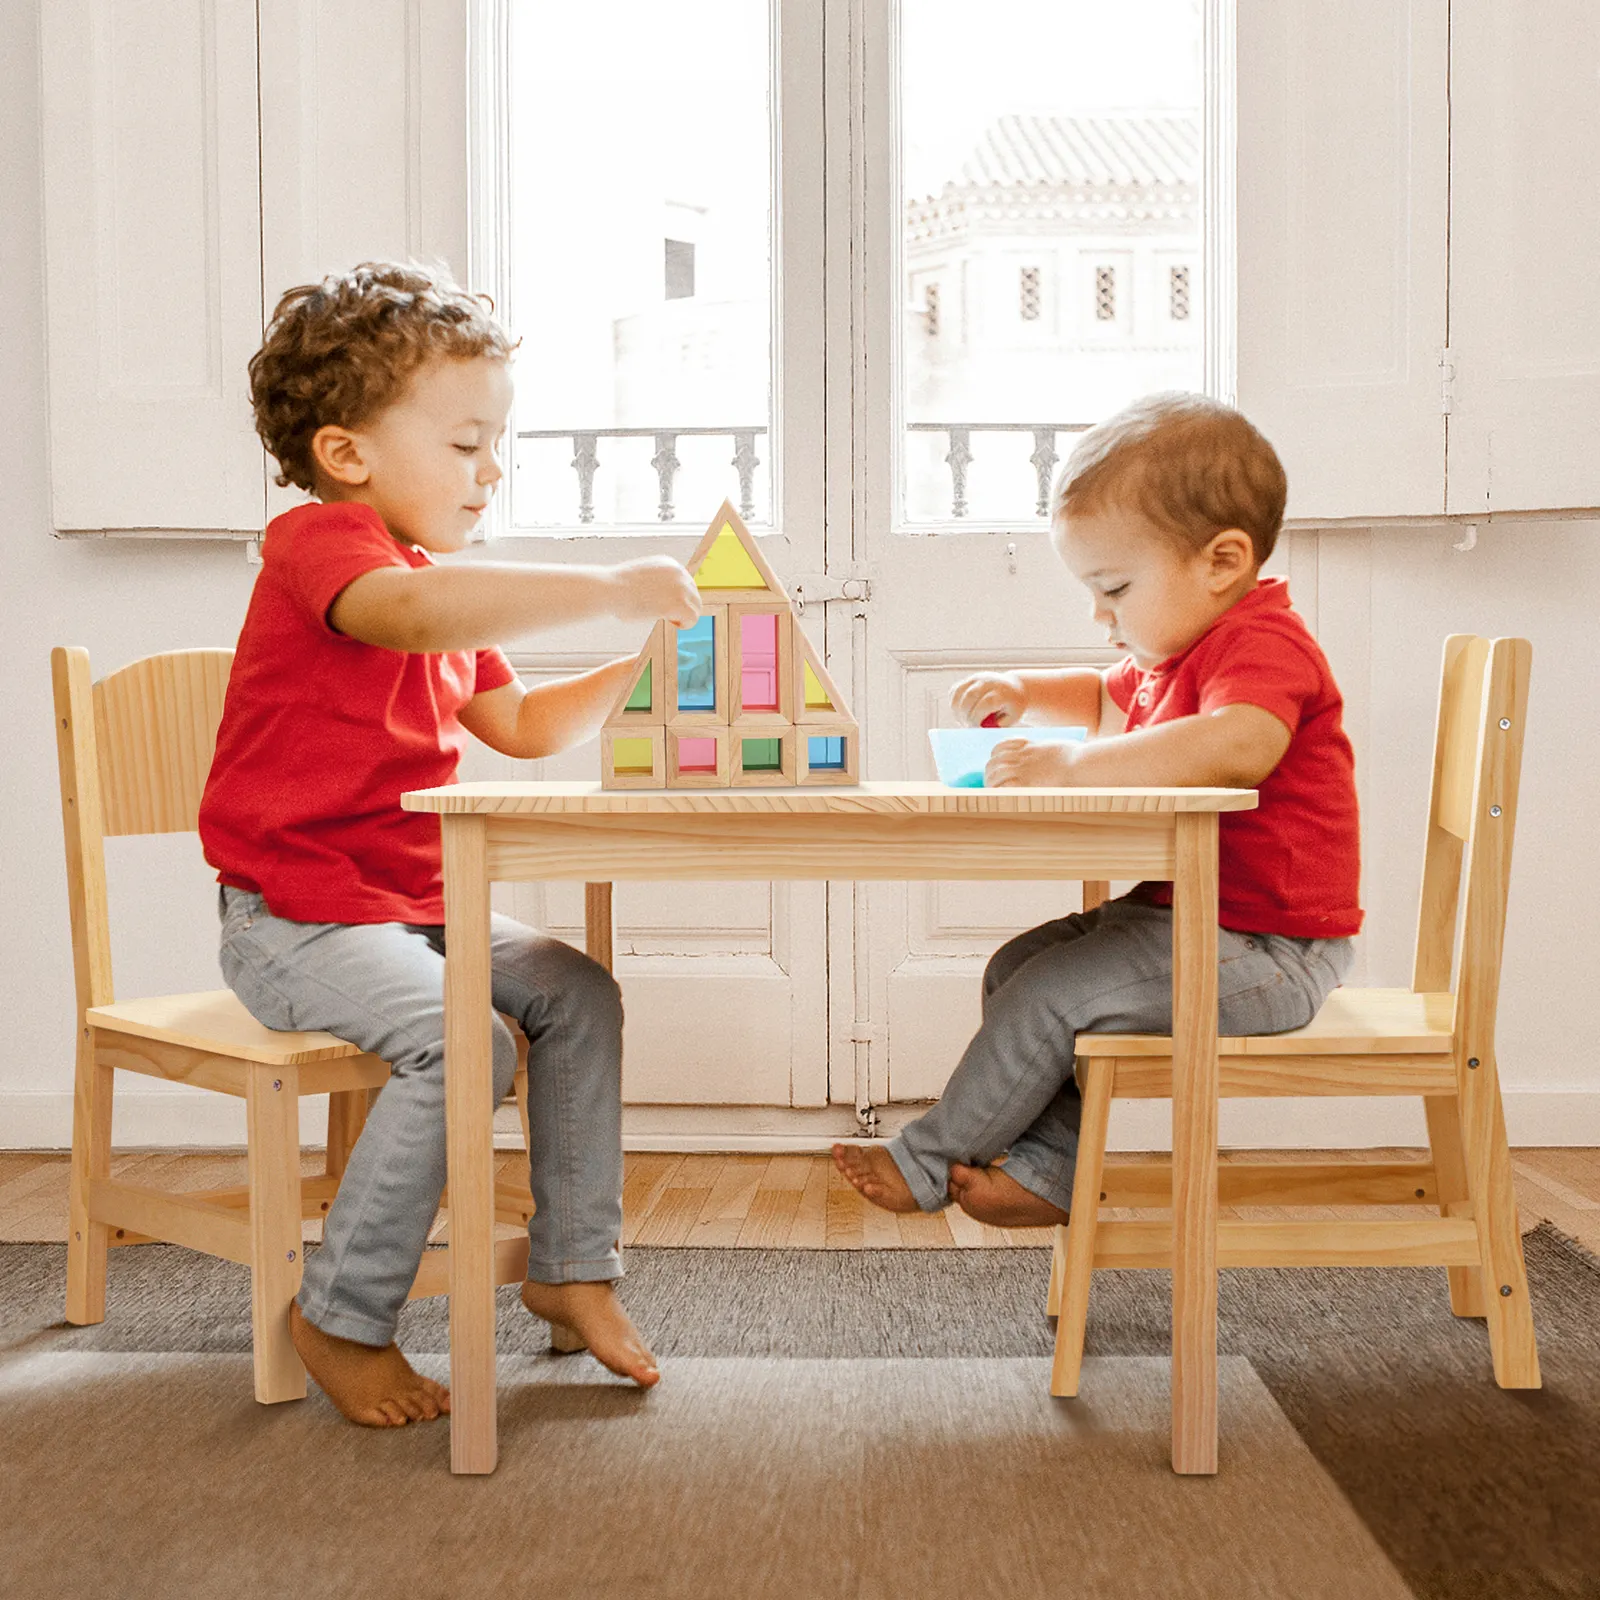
586	458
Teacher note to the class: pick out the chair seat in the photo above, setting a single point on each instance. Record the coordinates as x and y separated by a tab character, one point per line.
216	1021
1352	1022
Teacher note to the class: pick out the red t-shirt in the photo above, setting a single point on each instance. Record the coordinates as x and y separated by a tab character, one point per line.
322	734
1293	865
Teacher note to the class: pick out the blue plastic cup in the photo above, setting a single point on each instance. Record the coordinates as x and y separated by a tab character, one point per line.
961	754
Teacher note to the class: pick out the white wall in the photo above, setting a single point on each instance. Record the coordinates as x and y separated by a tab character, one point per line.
122	600
1382	602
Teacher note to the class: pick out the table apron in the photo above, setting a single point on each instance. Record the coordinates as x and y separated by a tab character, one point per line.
800	845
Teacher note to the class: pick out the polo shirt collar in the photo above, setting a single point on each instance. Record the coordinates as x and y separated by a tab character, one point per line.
1269	594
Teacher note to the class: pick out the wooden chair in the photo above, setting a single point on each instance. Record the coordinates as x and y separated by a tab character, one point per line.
134	752
1434	1039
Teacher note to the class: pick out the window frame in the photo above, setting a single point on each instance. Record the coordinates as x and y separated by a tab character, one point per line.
794	444
876	240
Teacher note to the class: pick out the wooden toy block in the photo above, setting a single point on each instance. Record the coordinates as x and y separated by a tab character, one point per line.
697	672
728	564
761	664
643	699
828	752
764	758
698	757
738	699
816	697
633	757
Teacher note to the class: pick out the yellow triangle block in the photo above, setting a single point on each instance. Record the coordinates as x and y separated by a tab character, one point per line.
727	564
816	696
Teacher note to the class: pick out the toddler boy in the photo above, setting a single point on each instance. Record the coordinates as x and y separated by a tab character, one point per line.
360	671
1165	513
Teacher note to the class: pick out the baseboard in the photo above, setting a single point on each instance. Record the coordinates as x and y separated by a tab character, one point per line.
185	1119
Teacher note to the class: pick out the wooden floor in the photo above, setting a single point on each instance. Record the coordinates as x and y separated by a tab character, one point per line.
797	1201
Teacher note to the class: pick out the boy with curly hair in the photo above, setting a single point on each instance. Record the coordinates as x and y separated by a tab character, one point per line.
1165	513
360	671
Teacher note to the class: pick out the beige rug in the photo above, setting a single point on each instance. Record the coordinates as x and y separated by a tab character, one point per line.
133	1475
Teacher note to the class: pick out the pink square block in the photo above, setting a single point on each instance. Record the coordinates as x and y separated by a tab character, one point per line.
697	755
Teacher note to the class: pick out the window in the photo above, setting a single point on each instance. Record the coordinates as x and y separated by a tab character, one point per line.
640	265
1105	294
1178	294
1028	294
680	269
1060	135
668	281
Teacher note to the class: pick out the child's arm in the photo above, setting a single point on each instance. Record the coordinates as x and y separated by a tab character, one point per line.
1235	747
480	603
529	723
1056	697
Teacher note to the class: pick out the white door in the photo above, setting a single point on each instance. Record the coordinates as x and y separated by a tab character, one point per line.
1040	261
659	201
633	212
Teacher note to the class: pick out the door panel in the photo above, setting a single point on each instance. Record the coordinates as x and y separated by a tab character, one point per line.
1525	231
1343	208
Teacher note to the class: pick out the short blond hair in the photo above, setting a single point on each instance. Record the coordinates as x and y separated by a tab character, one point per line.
1187	463
339	351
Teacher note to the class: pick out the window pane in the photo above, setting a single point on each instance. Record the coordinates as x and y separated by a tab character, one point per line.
1051	246
641	264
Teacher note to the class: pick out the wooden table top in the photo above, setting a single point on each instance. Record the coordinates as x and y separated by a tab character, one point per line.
906	799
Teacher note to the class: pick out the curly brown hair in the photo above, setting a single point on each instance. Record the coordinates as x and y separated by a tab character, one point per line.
339	351
1187	463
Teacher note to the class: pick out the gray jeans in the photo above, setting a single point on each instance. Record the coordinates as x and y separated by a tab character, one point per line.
1102	971
381	986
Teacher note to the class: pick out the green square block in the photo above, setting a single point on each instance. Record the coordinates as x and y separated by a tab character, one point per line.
762	755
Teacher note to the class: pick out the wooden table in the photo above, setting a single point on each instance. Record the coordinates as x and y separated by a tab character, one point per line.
537	831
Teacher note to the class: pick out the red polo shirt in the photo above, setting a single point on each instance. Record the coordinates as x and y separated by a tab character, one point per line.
322	734
1293	865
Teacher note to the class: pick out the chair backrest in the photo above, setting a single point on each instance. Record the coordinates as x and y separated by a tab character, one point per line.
134	752
1472	811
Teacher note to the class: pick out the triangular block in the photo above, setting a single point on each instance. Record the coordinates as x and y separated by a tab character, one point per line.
728	565
816	696
641	700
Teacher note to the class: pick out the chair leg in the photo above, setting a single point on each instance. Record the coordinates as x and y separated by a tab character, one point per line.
1450	1172
272	1103
87	1240
347	1116
1082	1222
1494	1202
1058	1263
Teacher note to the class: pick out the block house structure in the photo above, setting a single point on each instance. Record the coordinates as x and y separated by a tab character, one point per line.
738	700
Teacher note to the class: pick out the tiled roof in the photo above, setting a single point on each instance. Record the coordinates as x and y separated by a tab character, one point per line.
1115	148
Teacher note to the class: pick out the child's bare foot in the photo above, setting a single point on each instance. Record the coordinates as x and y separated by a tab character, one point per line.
375	1386
871	1172
989	1195
593	1312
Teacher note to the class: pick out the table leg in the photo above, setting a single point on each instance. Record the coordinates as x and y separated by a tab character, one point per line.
1194	1145
598	926
469	1122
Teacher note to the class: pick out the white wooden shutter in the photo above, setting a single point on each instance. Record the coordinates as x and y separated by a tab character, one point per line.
1342	218
152	263
1525	239
363	140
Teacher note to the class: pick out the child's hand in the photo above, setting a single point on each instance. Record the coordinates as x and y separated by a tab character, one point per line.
1019	764
1001	695
656	586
